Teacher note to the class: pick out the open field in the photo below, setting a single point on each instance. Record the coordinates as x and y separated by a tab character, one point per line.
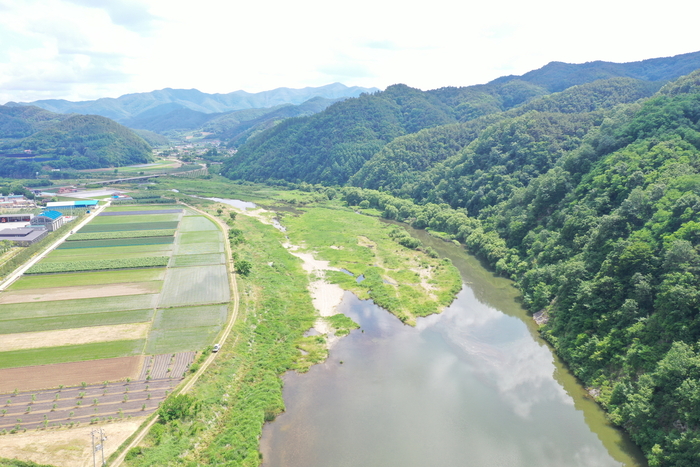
116	242
203	236
96	228
143	207
105	220
198	248
65	448
71	353
194	286
51	376
80	291
196	260
74	336
73	307
109	253
87	278
195	223
180	340
187	317
48	323
98	264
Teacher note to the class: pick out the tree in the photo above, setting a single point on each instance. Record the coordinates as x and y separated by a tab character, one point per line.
243	267
178	407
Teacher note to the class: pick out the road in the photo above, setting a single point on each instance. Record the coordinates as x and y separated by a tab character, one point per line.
143	431
22	269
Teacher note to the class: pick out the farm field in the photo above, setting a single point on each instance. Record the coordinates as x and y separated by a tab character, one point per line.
88	278
78	304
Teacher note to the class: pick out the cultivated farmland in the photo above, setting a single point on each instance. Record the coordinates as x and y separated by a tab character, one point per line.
113	293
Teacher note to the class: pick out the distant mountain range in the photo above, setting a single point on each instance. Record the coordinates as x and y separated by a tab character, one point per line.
154	104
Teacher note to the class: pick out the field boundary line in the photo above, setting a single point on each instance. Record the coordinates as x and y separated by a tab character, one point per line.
224	335
22	269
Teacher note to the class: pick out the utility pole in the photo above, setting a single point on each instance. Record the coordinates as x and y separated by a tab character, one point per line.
99	447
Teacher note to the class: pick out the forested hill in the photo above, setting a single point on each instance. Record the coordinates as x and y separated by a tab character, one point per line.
65	141
588	198
334	145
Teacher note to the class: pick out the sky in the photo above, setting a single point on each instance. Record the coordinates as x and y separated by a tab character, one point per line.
87	49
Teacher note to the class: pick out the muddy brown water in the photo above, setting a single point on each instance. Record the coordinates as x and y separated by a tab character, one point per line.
473	386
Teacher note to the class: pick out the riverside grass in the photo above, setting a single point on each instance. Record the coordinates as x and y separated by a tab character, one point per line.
408	283
242	389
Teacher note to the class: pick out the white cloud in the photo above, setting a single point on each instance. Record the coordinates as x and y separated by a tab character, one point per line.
82	49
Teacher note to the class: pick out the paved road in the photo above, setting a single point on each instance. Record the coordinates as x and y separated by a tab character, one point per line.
22	269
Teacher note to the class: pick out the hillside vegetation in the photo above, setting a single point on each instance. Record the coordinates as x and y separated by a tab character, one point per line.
588	198
65	141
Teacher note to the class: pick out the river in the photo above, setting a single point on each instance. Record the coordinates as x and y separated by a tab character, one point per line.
472	386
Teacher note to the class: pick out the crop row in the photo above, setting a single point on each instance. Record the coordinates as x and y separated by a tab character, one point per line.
129	226
121	234
98	264
116	242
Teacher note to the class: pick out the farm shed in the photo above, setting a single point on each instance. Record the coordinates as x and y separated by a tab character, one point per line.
52	220
15	218
23	236
69	207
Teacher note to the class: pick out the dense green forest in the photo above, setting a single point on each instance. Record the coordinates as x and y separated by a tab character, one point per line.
588	198
65	141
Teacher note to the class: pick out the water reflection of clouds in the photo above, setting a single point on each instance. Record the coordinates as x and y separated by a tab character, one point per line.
501	351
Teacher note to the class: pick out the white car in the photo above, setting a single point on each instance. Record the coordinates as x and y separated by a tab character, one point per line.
216	348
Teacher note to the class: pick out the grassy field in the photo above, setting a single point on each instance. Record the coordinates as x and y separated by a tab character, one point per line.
70	353
109	253
138	218
74	307
195	286
196	260
187	317
116	242
87	278
142	207
196	223
199	248
407	282
130	226
50	323
203	236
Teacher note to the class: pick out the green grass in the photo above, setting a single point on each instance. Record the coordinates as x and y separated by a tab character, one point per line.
199	248
342	324
196	223
140	218
181	340
73	307
130	226
116	242
195	286
108	253
98	264
197	260
186	317
75	321
88	278
204	236
70	353
379	259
